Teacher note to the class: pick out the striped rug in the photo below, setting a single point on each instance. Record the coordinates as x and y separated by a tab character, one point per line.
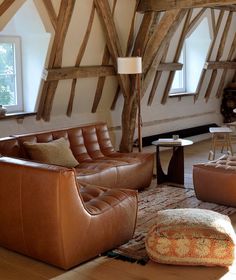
150	201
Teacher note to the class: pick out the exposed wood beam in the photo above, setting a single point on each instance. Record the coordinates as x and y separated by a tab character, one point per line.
219	55
213	22
156	80
101	80
157	43
195	20
223	76
160	33
55	59
170	66
177	56
220	65
66	73
112	40
51	12
165	5
79	58
227	8
203	73
143	33
5	5
129	48
94	71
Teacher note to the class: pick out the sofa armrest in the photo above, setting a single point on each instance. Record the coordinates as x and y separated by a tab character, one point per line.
35	198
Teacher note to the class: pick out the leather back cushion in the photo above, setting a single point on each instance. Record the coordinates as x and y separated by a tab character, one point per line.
9	147
86	142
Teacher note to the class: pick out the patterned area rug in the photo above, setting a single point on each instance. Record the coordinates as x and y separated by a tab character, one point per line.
150	201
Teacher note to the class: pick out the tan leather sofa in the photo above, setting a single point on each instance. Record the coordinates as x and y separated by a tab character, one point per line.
99	163
46	214
65	216
215	181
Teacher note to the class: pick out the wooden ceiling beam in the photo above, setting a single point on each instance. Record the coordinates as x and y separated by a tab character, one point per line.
211	65
177	55
227	8
79	58
51	12
157	43
66	73
5	5
219	55
165	5
223	76
156	79
101	80
112	40
78	72
210	51
55	59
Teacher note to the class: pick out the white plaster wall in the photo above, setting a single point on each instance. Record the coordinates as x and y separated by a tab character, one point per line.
175	114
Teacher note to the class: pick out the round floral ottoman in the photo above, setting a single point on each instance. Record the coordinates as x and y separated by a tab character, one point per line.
191	237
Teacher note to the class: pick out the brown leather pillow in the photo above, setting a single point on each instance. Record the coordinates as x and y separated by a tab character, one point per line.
55	152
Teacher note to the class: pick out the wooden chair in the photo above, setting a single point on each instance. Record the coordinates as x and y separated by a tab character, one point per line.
220	136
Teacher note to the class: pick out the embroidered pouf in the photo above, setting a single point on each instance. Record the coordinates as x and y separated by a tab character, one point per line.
191	237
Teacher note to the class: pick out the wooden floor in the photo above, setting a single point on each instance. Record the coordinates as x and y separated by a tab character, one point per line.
14	266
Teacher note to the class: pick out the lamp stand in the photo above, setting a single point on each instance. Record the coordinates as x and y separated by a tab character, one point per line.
140	142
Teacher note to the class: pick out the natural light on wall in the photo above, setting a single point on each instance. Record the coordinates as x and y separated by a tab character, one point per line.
23	49
192	57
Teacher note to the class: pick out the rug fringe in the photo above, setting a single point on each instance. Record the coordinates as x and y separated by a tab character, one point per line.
118	256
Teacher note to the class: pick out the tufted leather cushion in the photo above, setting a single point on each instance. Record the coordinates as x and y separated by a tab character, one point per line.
46	214
99	163
191	237
215	181
55	152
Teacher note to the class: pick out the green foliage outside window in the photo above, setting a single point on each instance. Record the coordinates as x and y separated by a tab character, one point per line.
7	74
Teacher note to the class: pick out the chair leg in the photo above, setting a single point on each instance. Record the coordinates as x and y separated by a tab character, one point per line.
211	155
229	145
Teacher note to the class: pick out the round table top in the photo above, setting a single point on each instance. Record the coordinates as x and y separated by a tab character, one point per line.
222	129
169	142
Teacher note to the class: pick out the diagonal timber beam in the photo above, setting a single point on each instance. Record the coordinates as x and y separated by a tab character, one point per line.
51	12
5	5
177	55
165	5
210	51
79	58
219	55
101	80
157	43
55	59
112	40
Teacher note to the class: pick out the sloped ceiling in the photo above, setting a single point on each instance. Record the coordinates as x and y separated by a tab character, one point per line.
151	28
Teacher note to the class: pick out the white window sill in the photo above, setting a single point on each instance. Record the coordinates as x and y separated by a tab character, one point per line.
17	115
180	94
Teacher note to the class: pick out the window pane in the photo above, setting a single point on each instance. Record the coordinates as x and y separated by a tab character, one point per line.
178	84
7	90
7	74
7	58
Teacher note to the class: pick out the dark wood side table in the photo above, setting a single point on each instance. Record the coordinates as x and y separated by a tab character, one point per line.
175	172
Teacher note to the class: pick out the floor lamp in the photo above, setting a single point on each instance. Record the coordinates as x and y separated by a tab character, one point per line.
133	65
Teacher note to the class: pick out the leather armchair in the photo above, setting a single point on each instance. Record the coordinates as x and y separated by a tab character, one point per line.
46	214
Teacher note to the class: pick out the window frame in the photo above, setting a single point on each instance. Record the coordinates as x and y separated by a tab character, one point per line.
176	91
16	41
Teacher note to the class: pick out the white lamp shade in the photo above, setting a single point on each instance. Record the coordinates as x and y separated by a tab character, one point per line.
129	65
